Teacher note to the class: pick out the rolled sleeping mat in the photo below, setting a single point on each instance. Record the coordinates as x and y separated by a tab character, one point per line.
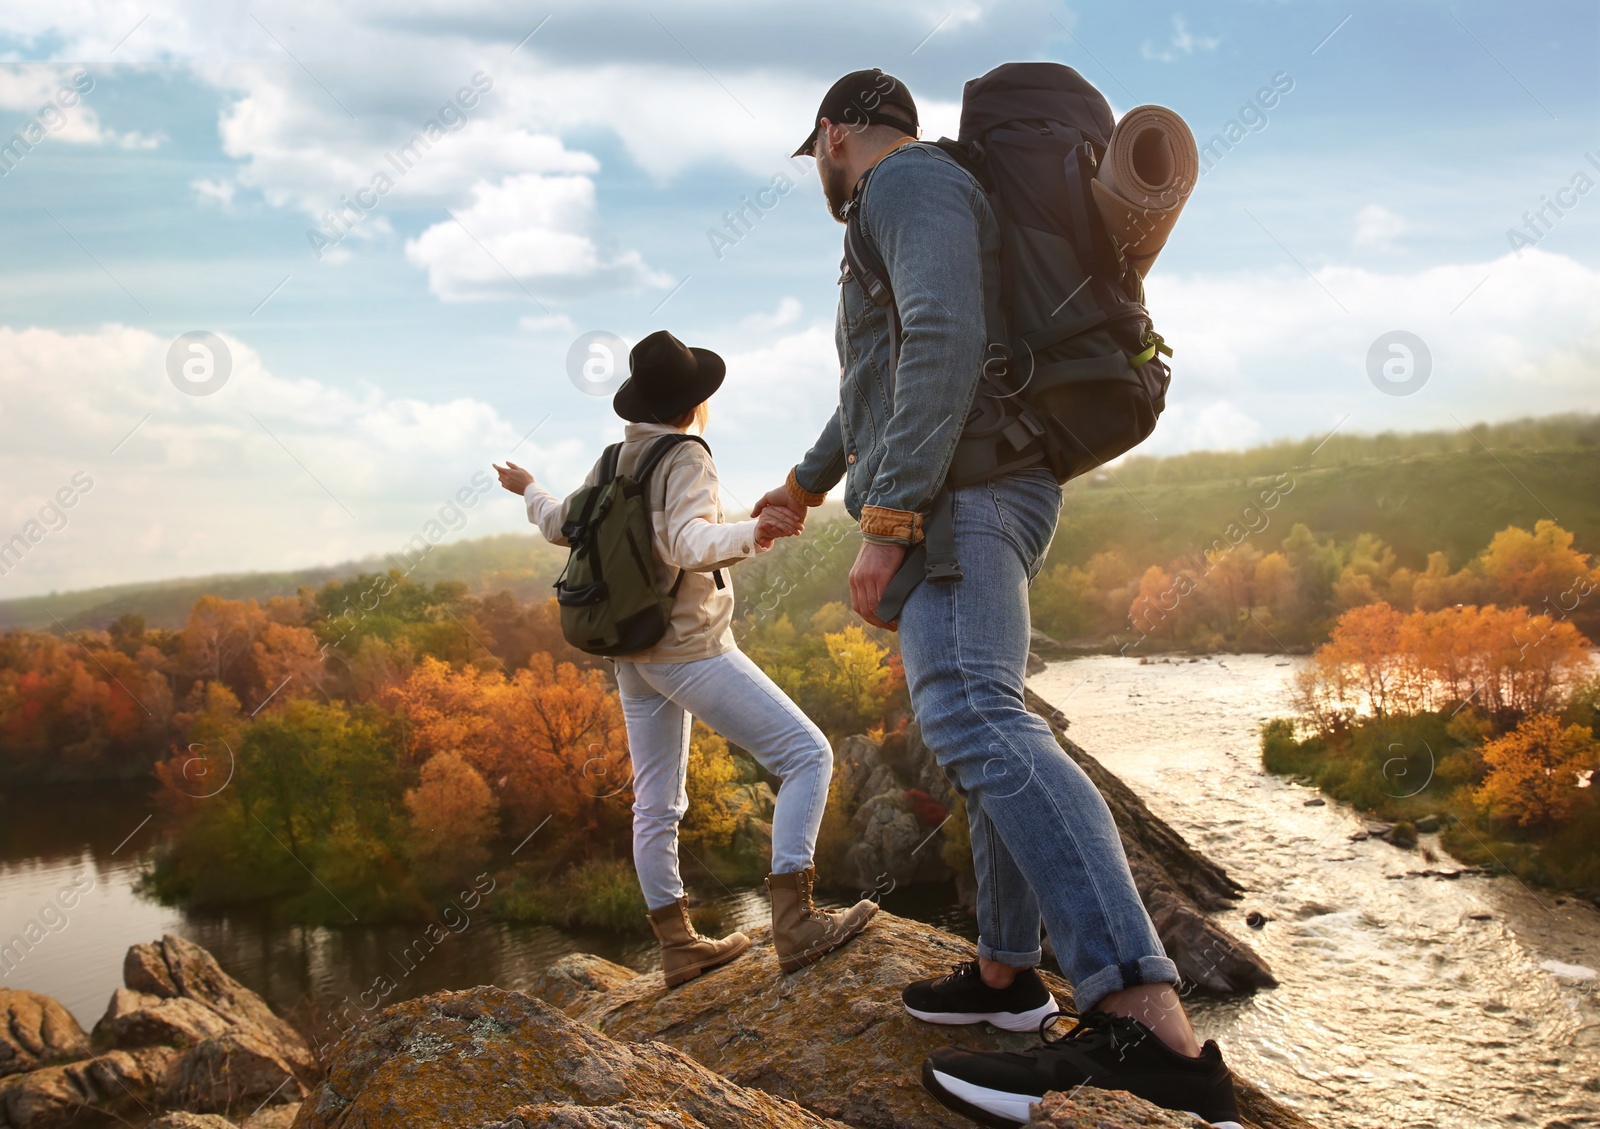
1150	167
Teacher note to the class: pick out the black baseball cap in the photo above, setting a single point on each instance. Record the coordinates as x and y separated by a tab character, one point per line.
859	99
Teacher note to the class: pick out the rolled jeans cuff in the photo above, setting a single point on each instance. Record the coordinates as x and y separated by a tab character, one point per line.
1091	990
1014	959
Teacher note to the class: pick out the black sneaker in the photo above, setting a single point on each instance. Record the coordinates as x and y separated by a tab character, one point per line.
1109	1052
961	996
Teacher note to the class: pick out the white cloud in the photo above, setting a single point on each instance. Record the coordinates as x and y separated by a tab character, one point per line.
1182	43
787	313
1277	348
217	191
266	473
57	97
1377	227
534	228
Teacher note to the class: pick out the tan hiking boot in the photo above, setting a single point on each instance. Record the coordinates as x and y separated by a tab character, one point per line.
802	933
684	953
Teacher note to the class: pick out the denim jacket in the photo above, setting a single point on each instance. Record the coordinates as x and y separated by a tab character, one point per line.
893	434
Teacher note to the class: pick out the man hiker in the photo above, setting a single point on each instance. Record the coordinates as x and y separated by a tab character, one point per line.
1043	842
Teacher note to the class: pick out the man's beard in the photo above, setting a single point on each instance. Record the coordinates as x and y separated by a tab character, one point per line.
835	187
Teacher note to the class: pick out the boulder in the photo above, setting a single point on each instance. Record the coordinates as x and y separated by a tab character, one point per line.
240	1066
234	1048
580	976
489	1057
117	1082
136	1019
834	1036
36	1030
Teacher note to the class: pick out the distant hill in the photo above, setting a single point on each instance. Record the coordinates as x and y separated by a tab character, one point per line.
522	563
1420	492
1452	502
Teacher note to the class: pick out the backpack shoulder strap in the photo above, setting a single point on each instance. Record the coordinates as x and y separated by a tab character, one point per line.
660	449
608	464
607	470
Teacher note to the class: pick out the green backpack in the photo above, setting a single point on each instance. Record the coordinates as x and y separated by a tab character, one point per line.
609	601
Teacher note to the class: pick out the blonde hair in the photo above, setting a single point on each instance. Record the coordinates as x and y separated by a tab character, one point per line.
696	417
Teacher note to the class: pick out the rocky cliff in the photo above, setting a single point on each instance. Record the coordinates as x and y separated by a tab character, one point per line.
741	1046
591	1045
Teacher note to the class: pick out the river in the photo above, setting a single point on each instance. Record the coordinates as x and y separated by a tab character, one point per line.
1403	1003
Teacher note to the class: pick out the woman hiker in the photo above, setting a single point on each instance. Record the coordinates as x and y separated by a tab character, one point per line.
696	670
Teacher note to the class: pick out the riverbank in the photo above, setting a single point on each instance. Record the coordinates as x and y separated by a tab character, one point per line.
1415	775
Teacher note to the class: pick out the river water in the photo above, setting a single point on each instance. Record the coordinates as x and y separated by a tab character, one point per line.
1403	1003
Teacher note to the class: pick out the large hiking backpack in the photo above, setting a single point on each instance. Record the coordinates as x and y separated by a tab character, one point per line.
609	601
1082	379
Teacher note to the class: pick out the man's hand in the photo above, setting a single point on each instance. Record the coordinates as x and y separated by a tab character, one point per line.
875	565
513	477
780	499
775	522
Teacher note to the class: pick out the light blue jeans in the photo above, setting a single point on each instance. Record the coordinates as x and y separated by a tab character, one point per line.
1043	841
733	696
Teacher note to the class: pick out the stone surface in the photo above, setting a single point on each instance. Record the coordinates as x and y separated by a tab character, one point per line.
54	1097
1096	1109
580	976
237	1067
36	1030
182	1120
834	1036
182	1033
137	1019
486	1055
272	1117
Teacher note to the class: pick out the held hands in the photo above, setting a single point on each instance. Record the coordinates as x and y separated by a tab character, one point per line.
875	566
778	498
774	522
513	477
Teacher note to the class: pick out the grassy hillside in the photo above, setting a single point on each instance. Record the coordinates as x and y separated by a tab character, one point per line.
1452	502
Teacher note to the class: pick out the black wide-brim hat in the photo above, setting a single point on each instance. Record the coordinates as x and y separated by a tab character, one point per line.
666	378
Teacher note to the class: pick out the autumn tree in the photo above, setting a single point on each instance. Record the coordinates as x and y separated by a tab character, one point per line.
1537	771
452	820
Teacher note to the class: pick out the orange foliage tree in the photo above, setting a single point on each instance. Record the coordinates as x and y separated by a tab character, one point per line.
1378	661
549	740
1537	771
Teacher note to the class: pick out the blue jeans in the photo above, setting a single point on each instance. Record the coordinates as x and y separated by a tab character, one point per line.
733	696
1043	841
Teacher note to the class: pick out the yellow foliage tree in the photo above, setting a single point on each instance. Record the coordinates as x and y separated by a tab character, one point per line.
452	818
715	808
859	681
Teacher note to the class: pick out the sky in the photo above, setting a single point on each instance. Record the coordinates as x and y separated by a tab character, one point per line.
168	203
